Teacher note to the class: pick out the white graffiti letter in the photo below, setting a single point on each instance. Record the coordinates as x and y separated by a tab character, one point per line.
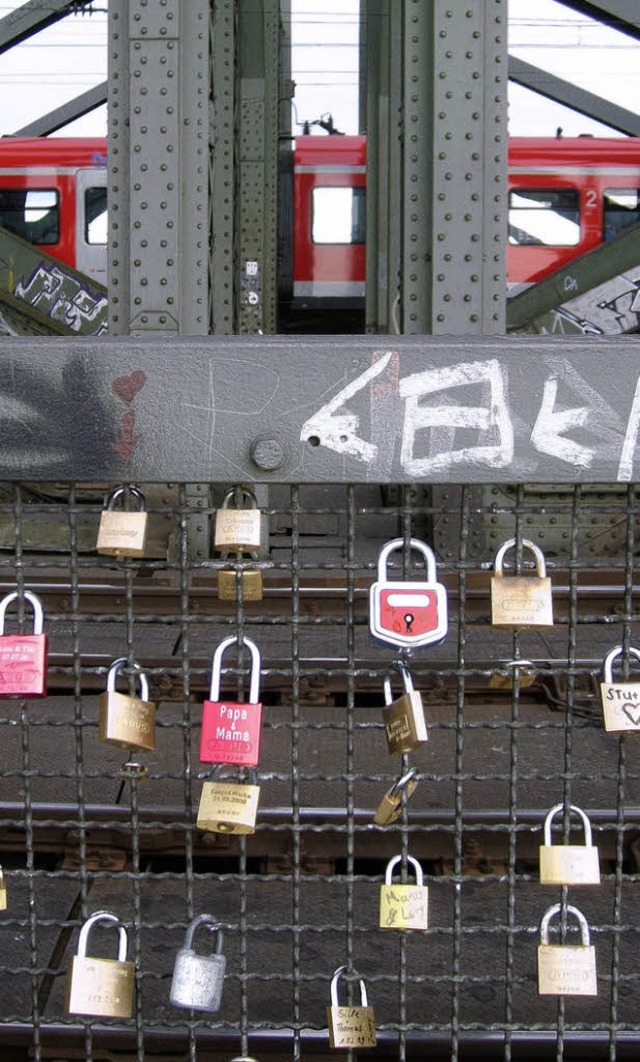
491	419
551	424
625	468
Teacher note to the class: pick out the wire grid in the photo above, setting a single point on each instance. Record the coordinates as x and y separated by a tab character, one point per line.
515	727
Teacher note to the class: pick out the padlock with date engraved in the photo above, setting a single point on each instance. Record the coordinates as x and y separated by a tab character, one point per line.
403	717
228	807
238	530
231	730
563	969
100	988
123	532
23	657
521	600
350	1028
568	864
408	613
620	700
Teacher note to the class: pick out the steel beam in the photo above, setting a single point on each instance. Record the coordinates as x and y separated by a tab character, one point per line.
621	15
61	116
32	17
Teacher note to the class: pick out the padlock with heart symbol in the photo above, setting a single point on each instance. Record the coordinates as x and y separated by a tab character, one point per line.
620	700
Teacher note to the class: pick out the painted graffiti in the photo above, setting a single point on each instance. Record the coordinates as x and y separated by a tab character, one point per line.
63	297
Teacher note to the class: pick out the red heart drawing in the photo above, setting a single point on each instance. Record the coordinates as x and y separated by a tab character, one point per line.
127	387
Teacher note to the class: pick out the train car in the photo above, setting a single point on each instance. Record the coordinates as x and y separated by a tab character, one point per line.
53	193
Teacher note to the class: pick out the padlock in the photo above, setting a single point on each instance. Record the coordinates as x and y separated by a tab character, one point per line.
390	807
521	600
123	532
350	1027
128	722
3	892
228	807
563	969
231	731
100	988
404	906
403	718
23	657
238	530
243	584
568	864
408	614
620	700
198	979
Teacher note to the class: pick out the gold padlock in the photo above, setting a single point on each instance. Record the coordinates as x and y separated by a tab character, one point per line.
100	988
404	906
390	807
403	718
123	533
521	600
620	700
128	722
568	864
350	1027
3	892
238	529
244	584
228	807
566	970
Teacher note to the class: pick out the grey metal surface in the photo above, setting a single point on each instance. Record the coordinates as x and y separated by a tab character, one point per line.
61	116
33	16
222	170
619	14
351	409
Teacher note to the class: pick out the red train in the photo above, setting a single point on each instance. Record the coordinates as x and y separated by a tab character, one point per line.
566	196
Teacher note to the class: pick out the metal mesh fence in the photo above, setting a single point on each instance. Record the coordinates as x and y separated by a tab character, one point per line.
515	726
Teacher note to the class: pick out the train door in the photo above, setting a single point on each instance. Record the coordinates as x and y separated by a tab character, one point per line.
91	223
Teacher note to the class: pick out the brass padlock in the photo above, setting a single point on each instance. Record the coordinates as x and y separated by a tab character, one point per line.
521	600
240	584
128	722
123	532
404	906
620	700
403	718
238	530
390	807
350	1027
566	970
3	892
228	807
100	988
568	864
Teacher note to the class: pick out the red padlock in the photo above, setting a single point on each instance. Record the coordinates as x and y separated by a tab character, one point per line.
23	657
408	613
231	731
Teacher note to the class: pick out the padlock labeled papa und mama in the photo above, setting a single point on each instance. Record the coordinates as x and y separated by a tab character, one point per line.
403	718
408	613
231	730
404	906
23	657
238	530
566	969
123	532
228	807
350	1028
521	600
100	988
198	979
125	721
568	864
620	700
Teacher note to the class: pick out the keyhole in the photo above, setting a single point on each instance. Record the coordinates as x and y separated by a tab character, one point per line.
408	619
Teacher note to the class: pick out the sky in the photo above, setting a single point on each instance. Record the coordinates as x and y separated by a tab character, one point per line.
71	57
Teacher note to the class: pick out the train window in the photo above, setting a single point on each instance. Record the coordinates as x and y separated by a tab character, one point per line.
338	215
621	208
544	217
95	215
33	214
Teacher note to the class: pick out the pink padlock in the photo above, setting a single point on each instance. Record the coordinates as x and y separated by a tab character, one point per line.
231	730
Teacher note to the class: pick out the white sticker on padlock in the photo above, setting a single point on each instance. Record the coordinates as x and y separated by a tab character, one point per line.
408	613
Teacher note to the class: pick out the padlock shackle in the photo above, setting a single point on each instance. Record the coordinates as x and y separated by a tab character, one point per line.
557	907
115	494
38	615
407	681
216	668
541	567
388	877
102	916
115	668
334	988
202	920
217	767
414	543
588	842
618	650
402	782
246	493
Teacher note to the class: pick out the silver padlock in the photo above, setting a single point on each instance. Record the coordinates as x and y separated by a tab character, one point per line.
198	979
568	864
566	969
620	700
